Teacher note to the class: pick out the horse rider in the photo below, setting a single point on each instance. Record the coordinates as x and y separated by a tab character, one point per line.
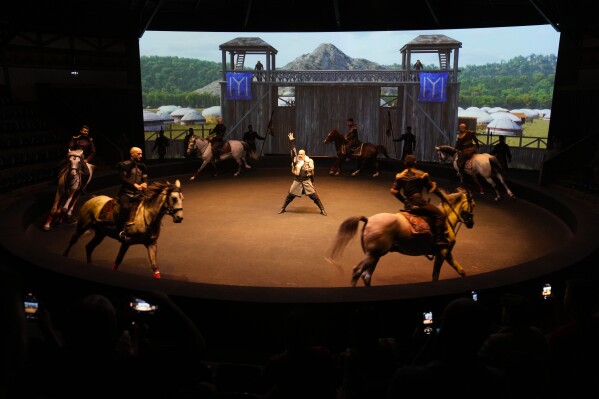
303	168
467	144
134	180
408	188
351	138
82	141
217	138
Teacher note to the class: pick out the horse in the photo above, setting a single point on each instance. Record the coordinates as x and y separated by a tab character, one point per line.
367	154
405	233
100	214
236	149
484	165
70	186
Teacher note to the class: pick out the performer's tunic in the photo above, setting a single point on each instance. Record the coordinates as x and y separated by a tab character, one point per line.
303	171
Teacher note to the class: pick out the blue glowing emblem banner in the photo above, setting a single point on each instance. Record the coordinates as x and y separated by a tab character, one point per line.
239	85
433	86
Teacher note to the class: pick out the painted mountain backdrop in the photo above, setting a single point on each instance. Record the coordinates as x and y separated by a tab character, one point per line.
522	82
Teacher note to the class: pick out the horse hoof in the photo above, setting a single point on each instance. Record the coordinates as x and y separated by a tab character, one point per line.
157	274
115	267
46	227
192	178
375	175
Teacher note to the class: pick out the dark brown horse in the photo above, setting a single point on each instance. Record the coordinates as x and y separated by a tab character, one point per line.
366	154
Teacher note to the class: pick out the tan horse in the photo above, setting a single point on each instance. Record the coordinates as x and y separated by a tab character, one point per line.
68	191
393	232
236	149
485	165
367	154
100	214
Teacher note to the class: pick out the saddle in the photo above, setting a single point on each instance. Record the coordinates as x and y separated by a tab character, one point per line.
353	151
418	224
109	212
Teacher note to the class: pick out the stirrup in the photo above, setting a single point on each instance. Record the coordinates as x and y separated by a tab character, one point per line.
123	237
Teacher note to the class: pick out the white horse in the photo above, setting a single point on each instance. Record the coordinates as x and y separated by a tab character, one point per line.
484	165
236	149
69	188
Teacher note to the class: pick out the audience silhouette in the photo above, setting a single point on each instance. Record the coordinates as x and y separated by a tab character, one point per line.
454	369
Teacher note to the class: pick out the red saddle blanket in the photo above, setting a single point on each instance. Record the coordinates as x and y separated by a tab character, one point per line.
418	224
109	212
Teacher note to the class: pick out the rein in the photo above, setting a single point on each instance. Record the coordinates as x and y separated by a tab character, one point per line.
459	220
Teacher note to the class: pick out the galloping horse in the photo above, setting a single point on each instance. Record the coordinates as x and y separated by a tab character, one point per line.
236	149
367	154
396	232
484	165
100	213
69	189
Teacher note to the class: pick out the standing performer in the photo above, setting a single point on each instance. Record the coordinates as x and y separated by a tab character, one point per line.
408	188
303	168
409	143
467	145
250	137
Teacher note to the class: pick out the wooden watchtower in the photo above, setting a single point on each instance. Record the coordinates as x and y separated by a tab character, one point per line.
382	102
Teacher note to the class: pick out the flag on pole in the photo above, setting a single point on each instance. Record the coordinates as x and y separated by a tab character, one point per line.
433	86
239	85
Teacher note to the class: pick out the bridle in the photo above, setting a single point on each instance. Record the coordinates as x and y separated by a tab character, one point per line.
466	214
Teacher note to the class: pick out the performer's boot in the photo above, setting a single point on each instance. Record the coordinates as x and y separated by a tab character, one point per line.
288	200
318	202
440	237
129	222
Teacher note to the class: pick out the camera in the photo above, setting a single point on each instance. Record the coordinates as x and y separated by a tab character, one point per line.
546	291
474	296
141	306
31	306
427	322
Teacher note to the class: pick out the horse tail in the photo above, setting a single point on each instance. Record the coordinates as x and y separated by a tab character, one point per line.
380	149
346	232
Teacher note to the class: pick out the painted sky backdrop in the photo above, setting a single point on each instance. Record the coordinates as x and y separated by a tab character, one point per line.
479	46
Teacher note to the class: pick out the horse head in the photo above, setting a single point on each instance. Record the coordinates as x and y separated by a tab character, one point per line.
74	158
445	152
191	146
173	203
460	206
333	136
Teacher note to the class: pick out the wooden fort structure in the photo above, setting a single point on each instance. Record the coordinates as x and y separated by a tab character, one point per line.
382	102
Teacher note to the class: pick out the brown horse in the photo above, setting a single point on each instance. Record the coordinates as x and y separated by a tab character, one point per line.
393	232
367	154
100	214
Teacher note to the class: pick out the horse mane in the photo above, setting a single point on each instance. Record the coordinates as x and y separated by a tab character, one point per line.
447	149
154	190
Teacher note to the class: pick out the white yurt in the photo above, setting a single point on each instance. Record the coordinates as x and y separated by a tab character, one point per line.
212	112
179	113
504	127
192	117
152	121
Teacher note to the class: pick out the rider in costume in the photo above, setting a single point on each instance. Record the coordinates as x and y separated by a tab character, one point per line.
303	168
351	137
82	141
217	139
467	145
408	188
134	180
